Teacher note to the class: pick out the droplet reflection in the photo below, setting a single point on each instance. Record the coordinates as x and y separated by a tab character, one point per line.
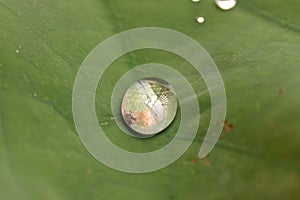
149	106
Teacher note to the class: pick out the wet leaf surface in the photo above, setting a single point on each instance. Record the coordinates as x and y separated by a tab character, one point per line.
256	47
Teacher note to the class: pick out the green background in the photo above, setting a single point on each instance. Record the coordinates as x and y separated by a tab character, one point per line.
256	47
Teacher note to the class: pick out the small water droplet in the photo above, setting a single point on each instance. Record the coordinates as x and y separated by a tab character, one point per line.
17	51
103	123
26	78
226	4
151	115
112	118
200	20
196	1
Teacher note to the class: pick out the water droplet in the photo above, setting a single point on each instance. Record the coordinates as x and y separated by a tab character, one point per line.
200	20
26	78
151	115
112	117
195	0
17	51
226	4
104	123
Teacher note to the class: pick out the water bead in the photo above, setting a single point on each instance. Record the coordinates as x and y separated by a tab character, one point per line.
200	20
226	4
149	106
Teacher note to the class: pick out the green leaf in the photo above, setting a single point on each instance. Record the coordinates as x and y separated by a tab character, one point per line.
255	46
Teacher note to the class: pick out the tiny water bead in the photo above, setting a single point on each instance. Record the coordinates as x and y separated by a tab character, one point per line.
226	4
149	106
200	20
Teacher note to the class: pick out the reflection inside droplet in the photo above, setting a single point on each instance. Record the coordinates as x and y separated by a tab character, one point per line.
195	0
149	106
200	20
226	4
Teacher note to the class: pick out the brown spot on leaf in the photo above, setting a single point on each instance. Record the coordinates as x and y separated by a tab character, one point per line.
229	127
281	90
207	162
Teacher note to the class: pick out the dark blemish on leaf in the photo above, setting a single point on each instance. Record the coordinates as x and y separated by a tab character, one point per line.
195	160
207	162
225	123
281	90
229	127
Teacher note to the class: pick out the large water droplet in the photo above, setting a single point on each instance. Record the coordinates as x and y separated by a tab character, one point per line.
226	4
149	106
